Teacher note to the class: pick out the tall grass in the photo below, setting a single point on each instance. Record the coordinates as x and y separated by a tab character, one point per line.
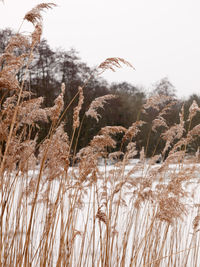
131	213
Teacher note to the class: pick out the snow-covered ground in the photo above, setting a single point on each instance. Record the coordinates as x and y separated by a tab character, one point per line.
131	225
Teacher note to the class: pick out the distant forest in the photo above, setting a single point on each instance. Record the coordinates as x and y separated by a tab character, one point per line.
51	67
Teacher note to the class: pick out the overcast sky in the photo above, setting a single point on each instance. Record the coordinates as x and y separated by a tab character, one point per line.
161	38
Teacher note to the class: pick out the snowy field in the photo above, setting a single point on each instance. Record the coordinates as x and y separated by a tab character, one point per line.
126	224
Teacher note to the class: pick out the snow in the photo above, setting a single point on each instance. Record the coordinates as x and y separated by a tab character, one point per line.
84	216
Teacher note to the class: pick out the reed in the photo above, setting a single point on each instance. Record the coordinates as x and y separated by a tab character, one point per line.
130	213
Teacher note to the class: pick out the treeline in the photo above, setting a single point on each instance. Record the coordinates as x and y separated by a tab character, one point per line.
50	68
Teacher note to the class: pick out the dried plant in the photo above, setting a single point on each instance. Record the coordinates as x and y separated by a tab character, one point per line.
76	120
194	108
17	41
36	35
112	130
158	122
131	151
101	216
170	209
133	130
174	133
34	15
196	219
30	112
64	210
56	153
100	142
96	104
155	102
112	63
55	111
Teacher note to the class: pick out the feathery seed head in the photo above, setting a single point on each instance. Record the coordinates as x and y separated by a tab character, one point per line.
77	109
112	63
98	103
34	15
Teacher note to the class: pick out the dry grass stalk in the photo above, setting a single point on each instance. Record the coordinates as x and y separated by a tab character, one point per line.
155	102
30	112
41	210
13	63
196	219
158	123
133	130
57	156
194	108
17	41
77	109
34	15
55	111
101	216
170	209
100	142
112	63
98	103
36	35
112	130
142	155
174	133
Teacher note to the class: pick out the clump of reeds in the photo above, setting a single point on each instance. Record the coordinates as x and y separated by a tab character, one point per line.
53	214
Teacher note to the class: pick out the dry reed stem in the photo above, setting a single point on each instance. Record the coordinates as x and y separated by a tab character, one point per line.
34	15
98	103
77	109
112	63
151	212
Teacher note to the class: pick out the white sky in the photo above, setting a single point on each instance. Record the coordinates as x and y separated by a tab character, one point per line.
161	38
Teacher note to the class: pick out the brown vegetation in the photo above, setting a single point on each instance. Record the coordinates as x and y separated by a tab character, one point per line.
127	214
